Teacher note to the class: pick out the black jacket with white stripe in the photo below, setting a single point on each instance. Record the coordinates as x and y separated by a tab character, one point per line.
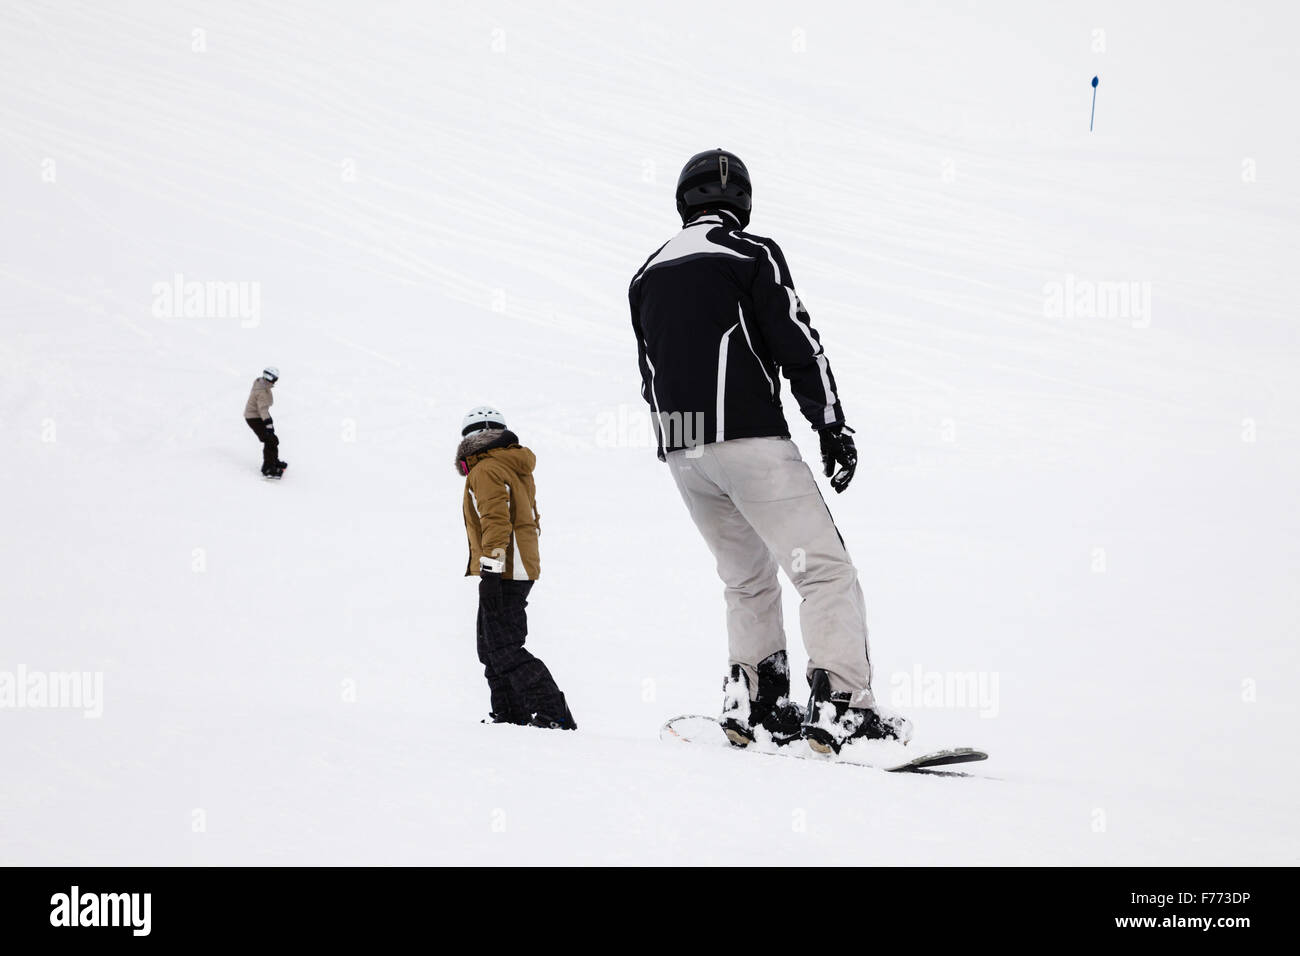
715	315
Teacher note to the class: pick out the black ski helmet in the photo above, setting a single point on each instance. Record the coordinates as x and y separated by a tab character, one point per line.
714	179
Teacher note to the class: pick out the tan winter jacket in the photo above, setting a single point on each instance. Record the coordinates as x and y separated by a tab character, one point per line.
259	400
501	519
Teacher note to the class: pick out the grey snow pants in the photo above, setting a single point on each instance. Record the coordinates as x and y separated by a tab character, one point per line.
757	506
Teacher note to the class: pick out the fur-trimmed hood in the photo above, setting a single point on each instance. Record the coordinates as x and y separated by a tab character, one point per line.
473	446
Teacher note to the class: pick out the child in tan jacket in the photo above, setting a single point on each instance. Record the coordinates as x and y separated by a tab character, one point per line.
503	526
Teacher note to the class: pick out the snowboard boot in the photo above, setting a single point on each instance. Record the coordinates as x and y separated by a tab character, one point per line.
772	709
561	721
831	723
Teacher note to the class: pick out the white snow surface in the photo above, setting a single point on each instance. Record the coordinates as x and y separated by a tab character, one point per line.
441	205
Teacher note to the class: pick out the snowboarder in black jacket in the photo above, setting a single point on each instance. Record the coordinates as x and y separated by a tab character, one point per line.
717	319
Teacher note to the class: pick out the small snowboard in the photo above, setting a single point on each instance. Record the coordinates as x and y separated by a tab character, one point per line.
698	729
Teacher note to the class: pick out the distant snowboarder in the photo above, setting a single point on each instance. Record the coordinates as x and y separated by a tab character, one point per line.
716	315
503	527
257	412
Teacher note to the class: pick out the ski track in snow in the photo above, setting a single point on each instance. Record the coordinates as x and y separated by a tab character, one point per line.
927	174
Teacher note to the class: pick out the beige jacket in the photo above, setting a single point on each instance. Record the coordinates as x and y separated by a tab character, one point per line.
259	400
501	519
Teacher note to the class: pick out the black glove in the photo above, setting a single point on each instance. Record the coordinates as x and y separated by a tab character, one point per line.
489	590
268	424
838	449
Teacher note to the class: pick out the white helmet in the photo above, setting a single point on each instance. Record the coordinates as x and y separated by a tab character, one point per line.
271	373
477	419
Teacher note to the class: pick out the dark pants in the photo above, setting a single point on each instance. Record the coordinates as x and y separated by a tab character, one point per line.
270	444
522	689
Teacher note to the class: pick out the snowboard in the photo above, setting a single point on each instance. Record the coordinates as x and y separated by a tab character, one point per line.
882	755
277	477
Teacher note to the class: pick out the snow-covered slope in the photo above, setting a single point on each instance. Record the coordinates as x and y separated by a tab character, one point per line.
439	205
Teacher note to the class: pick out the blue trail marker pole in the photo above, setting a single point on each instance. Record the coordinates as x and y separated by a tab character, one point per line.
1094	103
